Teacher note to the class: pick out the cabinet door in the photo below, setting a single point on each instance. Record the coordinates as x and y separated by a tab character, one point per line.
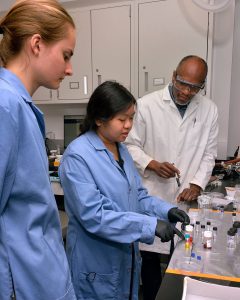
79	85
168	31
111	45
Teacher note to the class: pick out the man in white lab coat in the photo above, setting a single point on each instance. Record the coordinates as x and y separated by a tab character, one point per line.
174	145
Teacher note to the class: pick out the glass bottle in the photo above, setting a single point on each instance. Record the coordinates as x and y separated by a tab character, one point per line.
236	225
208	226
202	231
214	233
234	217
207	239
231	238
197	226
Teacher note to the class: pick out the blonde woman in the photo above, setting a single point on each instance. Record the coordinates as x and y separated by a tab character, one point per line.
36	44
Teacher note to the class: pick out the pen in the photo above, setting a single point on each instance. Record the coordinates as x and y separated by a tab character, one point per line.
177	176
177	179
194	121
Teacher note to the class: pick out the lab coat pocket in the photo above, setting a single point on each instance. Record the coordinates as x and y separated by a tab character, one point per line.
94	285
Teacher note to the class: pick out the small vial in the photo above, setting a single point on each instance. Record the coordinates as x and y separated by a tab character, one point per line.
187	241
234	217
207	239
214	233
236	225
197	226
231	239
208	226
202	231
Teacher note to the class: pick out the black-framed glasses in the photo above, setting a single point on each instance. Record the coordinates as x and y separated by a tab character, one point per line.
183	85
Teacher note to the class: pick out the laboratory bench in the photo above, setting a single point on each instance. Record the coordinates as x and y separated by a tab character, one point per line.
218	264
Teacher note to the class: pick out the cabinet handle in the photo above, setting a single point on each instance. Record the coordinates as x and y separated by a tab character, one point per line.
146	81
99	79
85	85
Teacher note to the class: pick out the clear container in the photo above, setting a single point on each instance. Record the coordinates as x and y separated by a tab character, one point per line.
202	231
214	233
197	226
207	239
204	205
234	217
236	225
208	226
231	239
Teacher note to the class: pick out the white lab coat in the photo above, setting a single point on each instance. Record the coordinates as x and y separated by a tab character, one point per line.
160	133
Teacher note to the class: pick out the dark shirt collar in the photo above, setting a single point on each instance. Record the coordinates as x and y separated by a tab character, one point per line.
181	108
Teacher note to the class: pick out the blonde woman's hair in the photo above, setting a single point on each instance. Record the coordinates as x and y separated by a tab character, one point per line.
28	17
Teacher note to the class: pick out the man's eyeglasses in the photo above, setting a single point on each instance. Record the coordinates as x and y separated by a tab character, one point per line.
183	85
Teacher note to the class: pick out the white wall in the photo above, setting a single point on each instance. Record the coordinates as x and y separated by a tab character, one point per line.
234	110
222	72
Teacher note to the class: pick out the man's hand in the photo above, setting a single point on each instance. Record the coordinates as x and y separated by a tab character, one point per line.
189	194
164	169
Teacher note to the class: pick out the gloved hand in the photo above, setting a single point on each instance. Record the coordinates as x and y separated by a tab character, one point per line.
177	215
165	231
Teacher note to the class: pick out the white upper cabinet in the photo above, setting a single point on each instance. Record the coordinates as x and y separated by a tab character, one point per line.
79	85
137	43
111	45
168	31
102	52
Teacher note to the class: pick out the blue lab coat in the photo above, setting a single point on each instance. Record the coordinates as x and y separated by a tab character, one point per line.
109	210
32	257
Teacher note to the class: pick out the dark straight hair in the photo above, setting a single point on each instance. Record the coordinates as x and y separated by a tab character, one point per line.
107	100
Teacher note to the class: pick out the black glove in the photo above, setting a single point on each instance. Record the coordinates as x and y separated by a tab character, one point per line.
177	215
165	231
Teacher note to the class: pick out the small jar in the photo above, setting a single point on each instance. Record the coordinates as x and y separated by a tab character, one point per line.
207	239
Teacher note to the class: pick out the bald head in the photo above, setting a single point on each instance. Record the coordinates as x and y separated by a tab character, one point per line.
193	68
189	78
